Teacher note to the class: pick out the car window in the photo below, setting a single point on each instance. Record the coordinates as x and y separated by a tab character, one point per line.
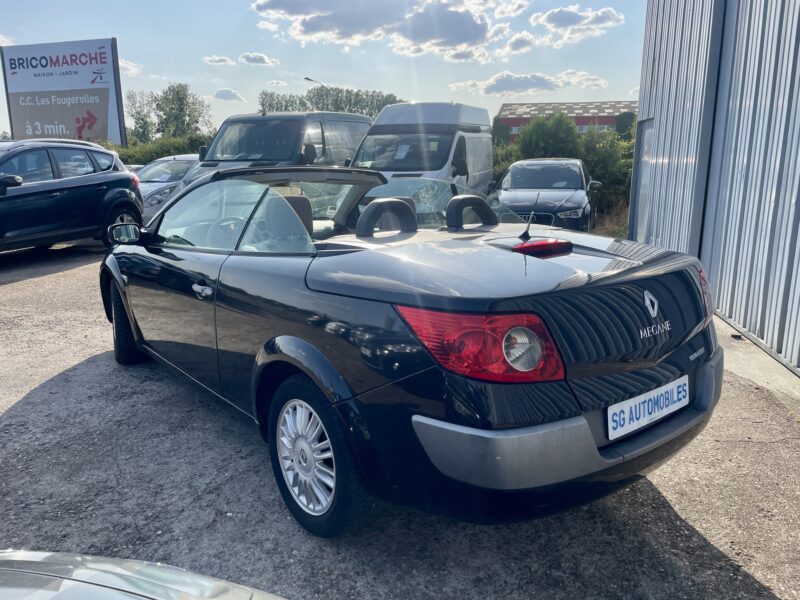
276	227
211	216
72	163
404	151
342	138
314	137
544	176
32	166
103	160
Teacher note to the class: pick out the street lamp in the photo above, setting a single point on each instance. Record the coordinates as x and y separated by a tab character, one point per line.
317	82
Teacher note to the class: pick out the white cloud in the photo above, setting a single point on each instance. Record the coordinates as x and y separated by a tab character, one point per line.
277	83
229	95
218	60
128	67
257	58
5	41
634	92
519	43
570	24
457	30
267	25
159	77
507	83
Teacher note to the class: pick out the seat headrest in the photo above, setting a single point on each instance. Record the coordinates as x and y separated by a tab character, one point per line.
302	206
403	210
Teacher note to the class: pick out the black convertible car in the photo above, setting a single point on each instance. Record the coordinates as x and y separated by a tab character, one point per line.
411	340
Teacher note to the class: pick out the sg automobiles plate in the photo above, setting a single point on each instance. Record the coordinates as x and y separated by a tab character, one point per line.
634	413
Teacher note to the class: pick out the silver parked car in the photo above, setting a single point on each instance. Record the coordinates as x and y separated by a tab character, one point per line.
53	576
158	180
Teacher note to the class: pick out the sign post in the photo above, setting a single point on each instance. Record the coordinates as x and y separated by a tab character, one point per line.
65	90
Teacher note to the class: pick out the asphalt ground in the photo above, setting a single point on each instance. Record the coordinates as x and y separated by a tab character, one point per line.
134	462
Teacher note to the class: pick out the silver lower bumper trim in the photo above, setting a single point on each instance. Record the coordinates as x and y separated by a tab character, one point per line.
530	457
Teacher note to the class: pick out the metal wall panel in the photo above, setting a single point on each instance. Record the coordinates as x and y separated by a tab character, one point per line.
677	89
721	83
750	235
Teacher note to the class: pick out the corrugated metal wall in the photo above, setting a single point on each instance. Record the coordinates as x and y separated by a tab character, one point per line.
751	229
729	191
677	93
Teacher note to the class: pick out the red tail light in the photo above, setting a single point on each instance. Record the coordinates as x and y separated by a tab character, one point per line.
543	247
136	181
510	348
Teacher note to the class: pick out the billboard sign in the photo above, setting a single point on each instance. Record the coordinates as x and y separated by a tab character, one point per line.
64	90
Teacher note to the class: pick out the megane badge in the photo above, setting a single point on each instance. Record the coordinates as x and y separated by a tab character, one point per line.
651	304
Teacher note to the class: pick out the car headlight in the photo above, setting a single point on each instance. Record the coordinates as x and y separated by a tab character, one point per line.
571	214
159	196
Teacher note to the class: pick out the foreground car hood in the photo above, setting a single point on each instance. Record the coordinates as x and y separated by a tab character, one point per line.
46	575
548	200
471	270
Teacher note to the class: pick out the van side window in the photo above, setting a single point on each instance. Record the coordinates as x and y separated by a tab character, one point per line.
72	163
32	166
342	138
315	137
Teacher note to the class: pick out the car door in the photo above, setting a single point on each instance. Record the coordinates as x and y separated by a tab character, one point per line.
261	290
29	213
82	188
172	281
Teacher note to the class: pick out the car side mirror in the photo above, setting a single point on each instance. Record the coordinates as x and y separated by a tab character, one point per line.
7	181
595	185
348	162
309	154
492	186
202	152
124	233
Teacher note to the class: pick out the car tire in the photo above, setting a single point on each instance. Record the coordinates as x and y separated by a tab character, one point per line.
126	352
349	502
123	214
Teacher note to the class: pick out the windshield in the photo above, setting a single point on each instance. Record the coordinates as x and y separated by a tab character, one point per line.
404	151
273	140
542	177
430	198
164	171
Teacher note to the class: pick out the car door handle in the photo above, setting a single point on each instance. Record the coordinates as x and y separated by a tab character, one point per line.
202	291
54	194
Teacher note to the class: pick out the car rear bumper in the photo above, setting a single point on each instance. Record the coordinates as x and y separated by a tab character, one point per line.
565	450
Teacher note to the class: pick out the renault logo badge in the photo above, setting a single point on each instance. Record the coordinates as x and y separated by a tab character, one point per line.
651	304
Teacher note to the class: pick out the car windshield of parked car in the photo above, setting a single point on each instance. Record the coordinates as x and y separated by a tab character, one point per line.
404	152
430	198
272	140
164	171
542	177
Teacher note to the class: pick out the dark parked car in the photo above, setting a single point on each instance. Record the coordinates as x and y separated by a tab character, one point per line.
58	576
284	138
558	191
58	190
399	338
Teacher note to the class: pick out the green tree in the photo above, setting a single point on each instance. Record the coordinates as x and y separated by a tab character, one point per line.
500	132
608	159
335	99
625	124
140	107
4	135
549	137
180	112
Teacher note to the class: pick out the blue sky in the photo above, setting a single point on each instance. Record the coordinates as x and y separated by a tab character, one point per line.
481	52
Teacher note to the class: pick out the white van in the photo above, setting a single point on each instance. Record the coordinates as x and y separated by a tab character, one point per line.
435	140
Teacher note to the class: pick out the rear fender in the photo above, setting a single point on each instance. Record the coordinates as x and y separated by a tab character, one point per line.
307	359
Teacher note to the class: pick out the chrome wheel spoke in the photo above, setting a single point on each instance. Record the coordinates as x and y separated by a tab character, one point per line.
306	457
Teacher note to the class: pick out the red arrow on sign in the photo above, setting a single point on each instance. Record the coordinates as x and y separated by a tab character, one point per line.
91	119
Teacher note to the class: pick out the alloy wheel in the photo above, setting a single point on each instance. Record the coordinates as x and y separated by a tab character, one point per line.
306	457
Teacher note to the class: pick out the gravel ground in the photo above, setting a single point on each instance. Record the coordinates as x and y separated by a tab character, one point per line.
135	463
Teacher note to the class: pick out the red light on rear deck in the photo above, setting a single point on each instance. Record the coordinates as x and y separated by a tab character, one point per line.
544	247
